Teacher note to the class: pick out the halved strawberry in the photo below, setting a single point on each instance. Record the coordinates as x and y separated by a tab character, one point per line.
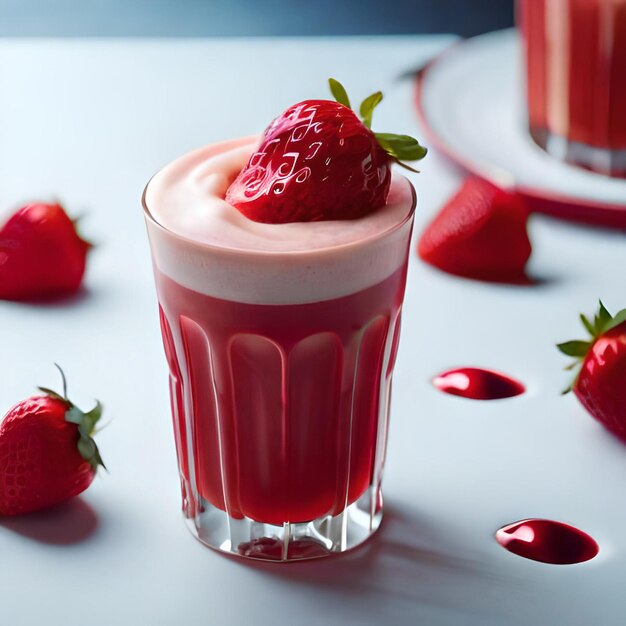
600	382
479	233
319	161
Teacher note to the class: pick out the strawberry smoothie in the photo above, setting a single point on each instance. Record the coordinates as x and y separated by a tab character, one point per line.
575	53
281	341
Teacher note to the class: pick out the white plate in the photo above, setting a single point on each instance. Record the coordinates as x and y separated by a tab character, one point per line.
471	100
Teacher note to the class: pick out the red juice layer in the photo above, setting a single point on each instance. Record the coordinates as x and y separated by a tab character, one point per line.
593	62
280	411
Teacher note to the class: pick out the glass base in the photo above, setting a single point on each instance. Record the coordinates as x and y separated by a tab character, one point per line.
291	541
600	160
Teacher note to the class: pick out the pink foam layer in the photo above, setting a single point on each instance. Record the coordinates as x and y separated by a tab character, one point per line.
205	244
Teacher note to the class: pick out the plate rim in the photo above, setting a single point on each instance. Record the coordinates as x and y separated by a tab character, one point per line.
539	200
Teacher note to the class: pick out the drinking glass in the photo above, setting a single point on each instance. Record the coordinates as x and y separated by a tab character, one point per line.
280	397
575	54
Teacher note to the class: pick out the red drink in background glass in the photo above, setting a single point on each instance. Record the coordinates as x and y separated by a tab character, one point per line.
280	378
575	53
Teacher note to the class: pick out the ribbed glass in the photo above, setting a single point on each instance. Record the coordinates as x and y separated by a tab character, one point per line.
281	416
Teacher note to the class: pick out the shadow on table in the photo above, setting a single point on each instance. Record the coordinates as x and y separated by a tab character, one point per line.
407	563
68	523
57	302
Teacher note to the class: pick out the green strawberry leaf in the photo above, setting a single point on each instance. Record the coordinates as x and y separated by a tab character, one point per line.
339	92
89	450
52	394
401	147
95	414
366	110
86	447
86	425
574	348
603	319
588	325
74	415
97	459
618	319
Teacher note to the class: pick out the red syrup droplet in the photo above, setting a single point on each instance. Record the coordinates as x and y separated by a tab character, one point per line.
478	384
547	541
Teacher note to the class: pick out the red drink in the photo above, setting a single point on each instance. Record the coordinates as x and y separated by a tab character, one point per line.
575	54
280	376
288	429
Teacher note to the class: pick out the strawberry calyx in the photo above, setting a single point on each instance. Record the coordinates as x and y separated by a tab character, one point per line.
602	322
86	423
399	147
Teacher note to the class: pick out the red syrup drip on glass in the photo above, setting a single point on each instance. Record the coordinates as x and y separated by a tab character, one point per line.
547	541
478	384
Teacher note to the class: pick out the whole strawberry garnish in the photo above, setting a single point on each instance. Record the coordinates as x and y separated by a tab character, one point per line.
41	254
47	453
480	233
600	384
319	161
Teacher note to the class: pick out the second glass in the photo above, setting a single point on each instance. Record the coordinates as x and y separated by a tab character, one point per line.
575	53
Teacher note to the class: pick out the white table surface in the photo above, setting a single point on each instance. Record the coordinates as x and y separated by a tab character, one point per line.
88	122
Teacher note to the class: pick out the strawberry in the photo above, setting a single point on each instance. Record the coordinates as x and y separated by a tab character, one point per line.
41	254
319	161
47	454
480	233
599	384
